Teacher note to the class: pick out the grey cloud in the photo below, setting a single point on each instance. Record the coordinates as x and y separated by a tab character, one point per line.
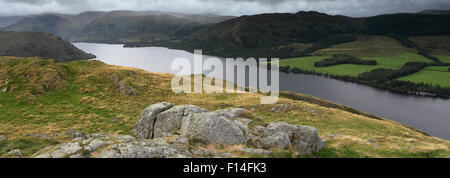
223	7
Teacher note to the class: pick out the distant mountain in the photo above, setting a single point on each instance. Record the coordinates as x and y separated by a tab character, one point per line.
117	26
435	12
290	35
39	44
51	23
119	29
8	20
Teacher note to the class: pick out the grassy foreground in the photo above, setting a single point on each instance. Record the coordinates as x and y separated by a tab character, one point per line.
47	98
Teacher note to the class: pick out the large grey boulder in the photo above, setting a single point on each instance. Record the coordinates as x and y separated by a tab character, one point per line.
155	148
277	140
144	128
306	140
169	122
212	127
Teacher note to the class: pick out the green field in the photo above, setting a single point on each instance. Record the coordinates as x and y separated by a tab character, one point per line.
395	62
436	75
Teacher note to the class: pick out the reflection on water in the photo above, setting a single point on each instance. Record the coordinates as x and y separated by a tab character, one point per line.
430	115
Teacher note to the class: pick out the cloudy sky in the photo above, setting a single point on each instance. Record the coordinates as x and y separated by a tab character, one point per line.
356	8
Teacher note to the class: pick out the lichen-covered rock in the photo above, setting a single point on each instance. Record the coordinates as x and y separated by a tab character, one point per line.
95	144
277	140
144	128
231	113
212	127
147	149
243	124
14	154
252	151
66	150
276	127
306	140
169	122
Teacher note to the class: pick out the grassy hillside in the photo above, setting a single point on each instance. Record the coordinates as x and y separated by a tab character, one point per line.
47	98
367	46
294	35
436	45
29	44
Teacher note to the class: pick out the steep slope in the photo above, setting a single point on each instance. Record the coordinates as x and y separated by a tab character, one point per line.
271	35
39	44
44	99
291	35
50	23
118	29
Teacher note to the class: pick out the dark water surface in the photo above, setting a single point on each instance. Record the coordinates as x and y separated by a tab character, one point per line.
431	115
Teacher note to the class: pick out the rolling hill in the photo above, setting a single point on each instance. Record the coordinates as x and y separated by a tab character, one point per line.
39	44
293	35
117	26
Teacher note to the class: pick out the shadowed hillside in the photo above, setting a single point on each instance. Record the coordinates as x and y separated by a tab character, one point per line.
38	44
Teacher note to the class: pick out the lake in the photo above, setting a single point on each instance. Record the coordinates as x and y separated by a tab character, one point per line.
430	115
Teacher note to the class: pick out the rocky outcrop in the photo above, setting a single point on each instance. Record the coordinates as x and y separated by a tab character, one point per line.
144	128
168	131
224	127
212	128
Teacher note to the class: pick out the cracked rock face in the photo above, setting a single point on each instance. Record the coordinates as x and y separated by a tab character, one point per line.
144	127
211	127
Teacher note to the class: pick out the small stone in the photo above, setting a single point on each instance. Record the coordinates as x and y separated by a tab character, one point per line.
75	133
77	156
335	136
4	90
3	138
254	151
95	144
14	154
117	119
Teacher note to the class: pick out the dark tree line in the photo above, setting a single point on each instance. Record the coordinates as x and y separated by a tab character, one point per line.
343	59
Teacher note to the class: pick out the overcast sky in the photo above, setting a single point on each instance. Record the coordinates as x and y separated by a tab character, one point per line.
356	8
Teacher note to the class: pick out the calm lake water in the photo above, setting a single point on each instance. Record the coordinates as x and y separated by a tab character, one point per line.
431	115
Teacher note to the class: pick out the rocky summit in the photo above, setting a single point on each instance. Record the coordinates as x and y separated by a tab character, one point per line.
168	131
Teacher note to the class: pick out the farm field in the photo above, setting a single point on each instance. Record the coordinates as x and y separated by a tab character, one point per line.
436	75
395	62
